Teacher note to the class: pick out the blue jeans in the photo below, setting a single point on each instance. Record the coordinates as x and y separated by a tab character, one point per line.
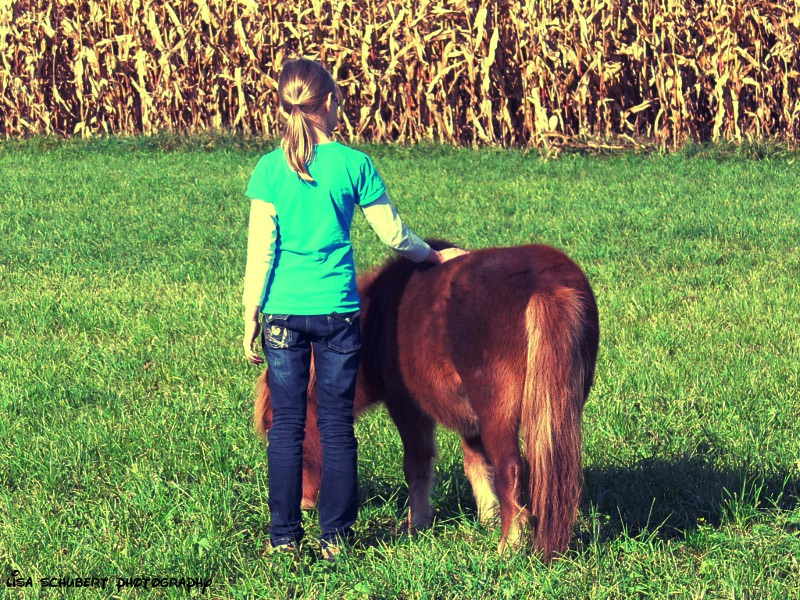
287	342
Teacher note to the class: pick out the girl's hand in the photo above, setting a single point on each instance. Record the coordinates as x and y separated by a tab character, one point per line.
251	330
438	257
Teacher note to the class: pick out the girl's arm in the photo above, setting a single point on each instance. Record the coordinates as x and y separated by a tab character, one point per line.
383	218
261	240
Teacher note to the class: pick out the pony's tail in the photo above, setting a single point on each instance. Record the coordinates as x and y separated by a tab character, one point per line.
312	449
262	415
558	364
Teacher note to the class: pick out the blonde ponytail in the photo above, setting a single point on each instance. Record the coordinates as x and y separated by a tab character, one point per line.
303	87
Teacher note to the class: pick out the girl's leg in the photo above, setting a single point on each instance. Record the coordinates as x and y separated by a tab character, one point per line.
336	360
288	354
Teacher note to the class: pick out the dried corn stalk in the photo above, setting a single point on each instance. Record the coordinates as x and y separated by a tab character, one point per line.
527	73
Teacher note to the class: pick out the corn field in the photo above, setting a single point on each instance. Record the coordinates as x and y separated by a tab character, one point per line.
500	72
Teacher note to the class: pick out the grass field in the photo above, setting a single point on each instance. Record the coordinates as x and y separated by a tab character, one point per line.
127	448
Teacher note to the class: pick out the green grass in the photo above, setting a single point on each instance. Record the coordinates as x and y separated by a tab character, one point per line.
127	448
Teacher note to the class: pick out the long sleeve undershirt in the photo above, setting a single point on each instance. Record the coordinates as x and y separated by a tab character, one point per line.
263	235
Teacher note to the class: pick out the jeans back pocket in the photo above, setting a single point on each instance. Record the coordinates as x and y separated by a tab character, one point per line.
345	331
275	332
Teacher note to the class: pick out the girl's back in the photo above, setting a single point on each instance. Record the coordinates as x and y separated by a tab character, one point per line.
313	250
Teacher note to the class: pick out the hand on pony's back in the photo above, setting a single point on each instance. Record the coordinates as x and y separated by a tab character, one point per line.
438	257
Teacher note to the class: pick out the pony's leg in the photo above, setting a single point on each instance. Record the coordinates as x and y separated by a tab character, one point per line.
416	430
420	452
481	476
501	440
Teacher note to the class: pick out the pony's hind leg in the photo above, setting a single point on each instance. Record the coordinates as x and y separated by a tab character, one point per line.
501	441
480	474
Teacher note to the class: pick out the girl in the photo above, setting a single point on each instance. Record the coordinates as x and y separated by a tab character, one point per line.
301	275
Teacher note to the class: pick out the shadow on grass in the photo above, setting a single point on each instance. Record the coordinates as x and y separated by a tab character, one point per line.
387	494
669	498
663	499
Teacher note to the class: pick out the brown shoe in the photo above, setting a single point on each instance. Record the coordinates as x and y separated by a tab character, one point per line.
287	548
331	552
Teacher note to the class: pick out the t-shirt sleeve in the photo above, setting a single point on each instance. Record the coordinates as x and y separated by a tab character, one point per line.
261	240
370	184
258	188
383	218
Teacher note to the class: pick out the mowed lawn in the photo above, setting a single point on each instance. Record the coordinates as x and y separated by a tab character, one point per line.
126	445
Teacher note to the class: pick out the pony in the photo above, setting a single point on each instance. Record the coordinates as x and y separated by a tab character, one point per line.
499	345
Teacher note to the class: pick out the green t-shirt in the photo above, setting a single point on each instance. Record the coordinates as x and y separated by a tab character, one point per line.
314	272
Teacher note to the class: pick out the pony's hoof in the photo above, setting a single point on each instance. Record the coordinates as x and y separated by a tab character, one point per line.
408	528
516	536
411	530
502	547
507	545
306	504
490	519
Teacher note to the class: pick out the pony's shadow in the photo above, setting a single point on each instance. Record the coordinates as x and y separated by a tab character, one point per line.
451	498
667	499
655	498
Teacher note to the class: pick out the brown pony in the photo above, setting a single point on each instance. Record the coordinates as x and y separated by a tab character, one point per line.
496	344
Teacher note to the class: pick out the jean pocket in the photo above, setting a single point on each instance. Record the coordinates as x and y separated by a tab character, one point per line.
275	332
345	331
